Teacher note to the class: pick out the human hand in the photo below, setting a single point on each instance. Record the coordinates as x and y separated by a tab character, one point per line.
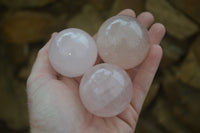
54	102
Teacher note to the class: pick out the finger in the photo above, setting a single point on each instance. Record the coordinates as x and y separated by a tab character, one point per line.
132	72
156	33
144	77
127	12
130	116
42	65
146	18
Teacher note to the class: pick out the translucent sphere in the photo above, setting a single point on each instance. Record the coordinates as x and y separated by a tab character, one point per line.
72	52
123	40
106	90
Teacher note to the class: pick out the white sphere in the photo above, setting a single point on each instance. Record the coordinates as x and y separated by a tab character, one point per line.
123	40
72	52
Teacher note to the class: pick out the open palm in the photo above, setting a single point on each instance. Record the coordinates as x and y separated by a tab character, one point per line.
54	102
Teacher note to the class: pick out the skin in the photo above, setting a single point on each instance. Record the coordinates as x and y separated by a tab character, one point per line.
54	103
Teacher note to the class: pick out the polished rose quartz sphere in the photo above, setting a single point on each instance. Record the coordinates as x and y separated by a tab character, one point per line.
72	52
123	40
106	90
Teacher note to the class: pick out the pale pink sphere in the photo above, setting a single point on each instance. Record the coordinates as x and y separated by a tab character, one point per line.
123	40
72	52
106	90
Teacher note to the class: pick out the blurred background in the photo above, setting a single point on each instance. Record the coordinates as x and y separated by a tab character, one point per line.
173	103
